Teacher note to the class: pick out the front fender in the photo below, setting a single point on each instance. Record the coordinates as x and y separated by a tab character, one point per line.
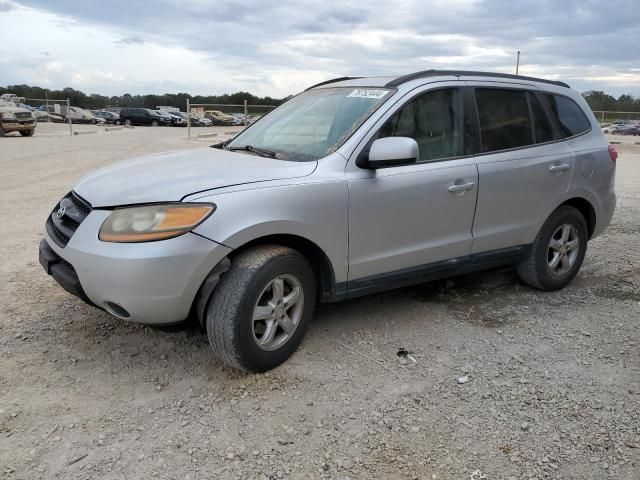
317	212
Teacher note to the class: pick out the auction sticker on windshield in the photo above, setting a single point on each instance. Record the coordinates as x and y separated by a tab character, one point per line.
366	93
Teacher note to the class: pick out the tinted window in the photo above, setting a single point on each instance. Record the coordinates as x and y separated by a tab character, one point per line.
504	119
433	121
541	125
569	116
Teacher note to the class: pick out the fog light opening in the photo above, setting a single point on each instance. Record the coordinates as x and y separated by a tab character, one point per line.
116	310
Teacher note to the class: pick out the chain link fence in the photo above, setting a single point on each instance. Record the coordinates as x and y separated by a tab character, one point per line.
606	117
223	115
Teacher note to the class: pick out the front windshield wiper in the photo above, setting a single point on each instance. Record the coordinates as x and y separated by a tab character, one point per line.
263	152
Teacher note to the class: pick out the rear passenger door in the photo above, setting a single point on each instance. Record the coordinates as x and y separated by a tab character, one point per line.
523	169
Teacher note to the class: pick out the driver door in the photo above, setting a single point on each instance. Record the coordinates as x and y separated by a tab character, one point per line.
405	220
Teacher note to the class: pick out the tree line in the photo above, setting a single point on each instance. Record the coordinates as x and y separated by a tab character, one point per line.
597	100
601	101
96	101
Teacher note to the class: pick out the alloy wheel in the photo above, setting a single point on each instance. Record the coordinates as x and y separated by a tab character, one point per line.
563	249
277	313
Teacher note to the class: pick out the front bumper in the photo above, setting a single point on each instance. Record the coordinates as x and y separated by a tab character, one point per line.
16	126
152	283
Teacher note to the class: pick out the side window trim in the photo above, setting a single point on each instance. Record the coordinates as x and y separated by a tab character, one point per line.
364	153
532	118
471	133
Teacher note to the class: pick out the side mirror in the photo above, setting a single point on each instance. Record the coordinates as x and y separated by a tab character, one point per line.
392	152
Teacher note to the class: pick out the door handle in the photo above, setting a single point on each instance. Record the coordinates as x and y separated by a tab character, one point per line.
461	187
559	168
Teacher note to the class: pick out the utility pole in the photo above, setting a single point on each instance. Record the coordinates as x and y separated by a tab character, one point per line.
518	62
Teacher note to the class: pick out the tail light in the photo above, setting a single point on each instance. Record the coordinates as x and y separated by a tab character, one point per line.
613	153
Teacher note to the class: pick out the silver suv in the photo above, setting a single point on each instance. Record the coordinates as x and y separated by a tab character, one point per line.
355	186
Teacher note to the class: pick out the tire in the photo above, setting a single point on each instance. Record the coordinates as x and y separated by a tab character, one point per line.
537	269
28	133
2	132
128	123
248	284
154	123
117	122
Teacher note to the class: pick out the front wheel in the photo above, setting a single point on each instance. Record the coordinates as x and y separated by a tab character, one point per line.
128	123
28	133
557	252
154	123
258	313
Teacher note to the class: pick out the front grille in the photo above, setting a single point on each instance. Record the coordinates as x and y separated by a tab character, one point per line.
23	115
75	211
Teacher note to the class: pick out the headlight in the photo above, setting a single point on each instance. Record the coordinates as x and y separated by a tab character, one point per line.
153	222
8	116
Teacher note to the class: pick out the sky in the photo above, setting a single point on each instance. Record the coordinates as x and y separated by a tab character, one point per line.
278	48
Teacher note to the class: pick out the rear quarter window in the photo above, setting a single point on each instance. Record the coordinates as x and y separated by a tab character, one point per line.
568	116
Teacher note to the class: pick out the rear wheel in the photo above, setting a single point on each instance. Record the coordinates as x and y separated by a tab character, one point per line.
127	122
258	313
557	252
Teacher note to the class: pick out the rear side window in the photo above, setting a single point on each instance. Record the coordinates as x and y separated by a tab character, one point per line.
504	119
541	125
569	116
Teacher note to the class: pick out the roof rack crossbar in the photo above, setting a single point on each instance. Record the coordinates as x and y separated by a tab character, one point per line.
459	73
333	80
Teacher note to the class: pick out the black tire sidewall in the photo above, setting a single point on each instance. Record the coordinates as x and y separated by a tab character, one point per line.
254	358
562	216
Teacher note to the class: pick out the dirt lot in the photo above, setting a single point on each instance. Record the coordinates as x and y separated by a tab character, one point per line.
553	385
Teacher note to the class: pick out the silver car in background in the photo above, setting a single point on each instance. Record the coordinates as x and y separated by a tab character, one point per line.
355	186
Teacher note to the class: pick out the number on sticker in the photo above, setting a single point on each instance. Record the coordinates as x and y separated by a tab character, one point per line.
367	93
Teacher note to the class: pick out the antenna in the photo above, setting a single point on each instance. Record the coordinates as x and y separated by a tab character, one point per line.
518	62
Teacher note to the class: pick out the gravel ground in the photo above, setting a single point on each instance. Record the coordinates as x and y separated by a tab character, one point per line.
477	377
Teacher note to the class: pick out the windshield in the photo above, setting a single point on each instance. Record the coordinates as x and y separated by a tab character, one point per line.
313	124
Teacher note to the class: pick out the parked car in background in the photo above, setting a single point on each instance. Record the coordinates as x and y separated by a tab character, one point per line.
627	130
16	119
166	118
142	116
621	129
219	119
412	178
175	117
11	98
108	117
82	116
197	121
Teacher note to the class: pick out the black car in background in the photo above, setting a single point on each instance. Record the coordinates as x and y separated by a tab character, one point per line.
142	116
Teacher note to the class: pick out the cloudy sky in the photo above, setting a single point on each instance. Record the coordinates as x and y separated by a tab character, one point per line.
279	48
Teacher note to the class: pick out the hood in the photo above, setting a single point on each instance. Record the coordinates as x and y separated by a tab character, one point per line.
13	109
170	177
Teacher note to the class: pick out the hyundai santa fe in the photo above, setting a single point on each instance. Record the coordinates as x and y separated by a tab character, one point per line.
354	186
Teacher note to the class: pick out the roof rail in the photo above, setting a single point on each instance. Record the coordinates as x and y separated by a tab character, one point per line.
333	80
458	73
